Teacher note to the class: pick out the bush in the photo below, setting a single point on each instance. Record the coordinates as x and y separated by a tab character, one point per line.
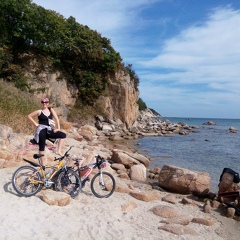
142	105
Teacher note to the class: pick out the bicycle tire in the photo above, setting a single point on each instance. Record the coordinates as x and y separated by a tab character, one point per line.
69	182
21	181
105	188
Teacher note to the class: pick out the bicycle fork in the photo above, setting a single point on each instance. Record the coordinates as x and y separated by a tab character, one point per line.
101	182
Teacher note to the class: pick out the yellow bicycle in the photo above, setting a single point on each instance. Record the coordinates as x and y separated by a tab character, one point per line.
29	180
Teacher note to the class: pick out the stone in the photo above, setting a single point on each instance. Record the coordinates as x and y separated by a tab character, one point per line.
171	198
122	188
190	202
182	220
165	211
145	196
138	172
127	207
207	207
55	198
230	212
215	204
119	156
204	221
178	229
184	181
118	166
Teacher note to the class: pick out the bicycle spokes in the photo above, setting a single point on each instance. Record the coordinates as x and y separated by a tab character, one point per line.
103	184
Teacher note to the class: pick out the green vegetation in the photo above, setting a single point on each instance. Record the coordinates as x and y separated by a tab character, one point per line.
30	32
141	104
35	38
154	112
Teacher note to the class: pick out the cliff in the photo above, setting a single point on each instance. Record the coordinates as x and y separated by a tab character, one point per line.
118	102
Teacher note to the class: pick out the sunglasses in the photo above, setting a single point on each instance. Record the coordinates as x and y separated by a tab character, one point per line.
44	102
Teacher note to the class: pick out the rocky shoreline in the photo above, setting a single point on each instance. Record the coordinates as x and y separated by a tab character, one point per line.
111	140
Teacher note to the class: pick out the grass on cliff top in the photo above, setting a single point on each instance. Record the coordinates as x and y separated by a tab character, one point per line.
15	105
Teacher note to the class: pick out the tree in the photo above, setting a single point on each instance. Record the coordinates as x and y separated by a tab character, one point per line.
142	105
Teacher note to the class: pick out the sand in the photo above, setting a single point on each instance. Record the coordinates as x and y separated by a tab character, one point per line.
88	217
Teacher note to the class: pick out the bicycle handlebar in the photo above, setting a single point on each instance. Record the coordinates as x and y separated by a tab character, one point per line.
65	155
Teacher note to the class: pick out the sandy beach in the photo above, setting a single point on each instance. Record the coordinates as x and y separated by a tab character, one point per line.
88	217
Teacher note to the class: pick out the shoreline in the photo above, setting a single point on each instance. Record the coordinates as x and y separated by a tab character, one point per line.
120	216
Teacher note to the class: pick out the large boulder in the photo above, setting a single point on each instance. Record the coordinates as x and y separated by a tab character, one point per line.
119	156
184	181
138	172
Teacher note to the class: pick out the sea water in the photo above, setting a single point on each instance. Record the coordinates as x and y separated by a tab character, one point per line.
210	148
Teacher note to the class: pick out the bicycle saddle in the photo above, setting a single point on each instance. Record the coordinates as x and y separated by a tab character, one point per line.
36	156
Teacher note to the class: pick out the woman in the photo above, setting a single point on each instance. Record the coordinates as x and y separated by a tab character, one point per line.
44	131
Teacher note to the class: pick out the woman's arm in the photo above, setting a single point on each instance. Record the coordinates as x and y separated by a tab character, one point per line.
32	115
56	120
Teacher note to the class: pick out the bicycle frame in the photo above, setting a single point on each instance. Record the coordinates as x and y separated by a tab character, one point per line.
102	183
100	163
41	169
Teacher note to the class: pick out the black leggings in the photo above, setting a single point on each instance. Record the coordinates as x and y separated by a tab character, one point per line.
44	134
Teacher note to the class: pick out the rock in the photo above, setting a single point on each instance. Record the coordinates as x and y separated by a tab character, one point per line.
203	221
165	211
231	212
128	206
118	166
146	196
116	138
55	198
215	204
184	181
190	202
170	198
122	188
123	158
182	220
178	229
209	123
138	172
87	135
232	130
140	158
207	207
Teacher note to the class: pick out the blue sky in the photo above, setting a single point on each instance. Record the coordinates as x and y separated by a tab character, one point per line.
186	53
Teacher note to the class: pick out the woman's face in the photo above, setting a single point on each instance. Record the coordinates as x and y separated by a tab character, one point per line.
45	103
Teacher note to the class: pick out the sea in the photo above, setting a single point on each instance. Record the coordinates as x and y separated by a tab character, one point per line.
210	148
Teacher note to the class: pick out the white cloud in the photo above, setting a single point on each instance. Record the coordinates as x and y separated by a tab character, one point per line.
197	71
207	55
215	42
101	15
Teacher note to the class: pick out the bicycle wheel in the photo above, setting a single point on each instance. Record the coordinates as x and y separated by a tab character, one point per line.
69	182
25	181
103	185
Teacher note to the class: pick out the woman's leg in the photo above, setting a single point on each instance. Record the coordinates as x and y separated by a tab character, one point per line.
60	145
61	138
42	143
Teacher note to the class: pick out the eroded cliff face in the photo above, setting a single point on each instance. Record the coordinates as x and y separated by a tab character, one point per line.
62	95
119	100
